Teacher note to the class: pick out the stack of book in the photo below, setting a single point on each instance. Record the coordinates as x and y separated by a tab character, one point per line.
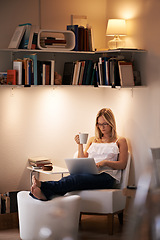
39	162
52	42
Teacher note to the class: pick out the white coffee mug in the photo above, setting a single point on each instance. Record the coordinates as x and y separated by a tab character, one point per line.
83	138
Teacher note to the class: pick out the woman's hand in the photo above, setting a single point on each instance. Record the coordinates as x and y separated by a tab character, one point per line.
101	164
77	139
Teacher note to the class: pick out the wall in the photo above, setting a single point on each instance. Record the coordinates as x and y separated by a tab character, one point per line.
139	112
44	123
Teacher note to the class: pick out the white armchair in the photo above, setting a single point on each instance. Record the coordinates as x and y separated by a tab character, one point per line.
105	201
54	219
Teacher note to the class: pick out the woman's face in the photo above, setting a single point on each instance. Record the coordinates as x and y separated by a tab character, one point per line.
103	125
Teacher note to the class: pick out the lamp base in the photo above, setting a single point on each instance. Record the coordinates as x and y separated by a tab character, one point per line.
116	43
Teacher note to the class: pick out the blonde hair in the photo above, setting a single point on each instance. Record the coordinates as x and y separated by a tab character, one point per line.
110	119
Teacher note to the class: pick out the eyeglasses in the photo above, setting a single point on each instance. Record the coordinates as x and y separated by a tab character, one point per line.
102	124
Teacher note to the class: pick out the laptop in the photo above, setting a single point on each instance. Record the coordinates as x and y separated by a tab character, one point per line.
81	165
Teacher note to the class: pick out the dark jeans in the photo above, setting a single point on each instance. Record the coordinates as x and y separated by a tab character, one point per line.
75	182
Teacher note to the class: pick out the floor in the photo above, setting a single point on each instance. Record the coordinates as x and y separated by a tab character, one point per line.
92	227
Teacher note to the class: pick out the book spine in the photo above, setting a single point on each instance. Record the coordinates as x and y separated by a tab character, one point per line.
17	65
89	72
100	69
44	74
52	71
68	73
74	28
11	77
34	65
80	38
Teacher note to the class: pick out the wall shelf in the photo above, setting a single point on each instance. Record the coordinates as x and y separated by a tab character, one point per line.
134	55
45	51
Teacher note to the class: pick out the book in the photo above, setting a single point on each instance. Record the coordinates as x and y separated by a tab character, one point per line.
52	71
25	38
81	72
12	201
34	71
80	38
90	39
17	65
54	41
17	37
34	30
100	70
89	72
96	76
126	73
105	67
28	70
85	72
68	72
47	65
114	78
39	161
46	73
35	41
74	28
39	72
83	37
11	77
3	78
76	73
93	75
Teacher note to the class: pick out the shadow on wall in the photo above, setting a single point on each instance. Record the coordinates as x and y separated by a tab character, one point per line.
140	150
24	183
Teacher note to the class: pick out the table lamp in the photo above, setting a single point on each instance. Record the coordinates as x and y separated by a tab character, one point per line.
116	28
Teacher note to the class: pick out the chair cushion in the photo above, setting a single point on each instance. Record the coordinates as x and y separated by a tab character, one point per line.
102	201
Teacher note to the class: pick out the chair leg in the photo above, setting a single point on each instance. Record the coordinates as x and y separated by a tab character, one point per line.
120	217
110	223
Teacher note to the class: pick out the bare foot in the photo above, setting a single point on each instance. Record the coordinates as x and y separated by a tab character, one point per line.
36	191
35	182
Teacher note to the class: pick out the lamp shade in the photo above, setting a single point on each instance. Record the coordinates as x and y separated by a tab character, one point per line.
116	27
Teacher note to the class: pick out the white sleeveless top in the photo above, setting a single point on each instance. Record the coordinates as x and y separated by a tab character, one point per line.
109	151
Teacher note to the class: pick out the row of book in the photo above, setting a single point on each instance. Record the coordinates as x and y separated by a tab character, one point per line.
30	71
25	36
84	40
106	71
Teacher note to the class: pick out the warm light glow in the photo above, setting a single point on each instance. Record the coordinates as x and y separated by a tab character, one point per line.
116	27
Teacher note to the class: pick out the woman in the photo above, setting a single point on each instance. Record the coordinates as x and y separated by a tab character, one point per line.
110	153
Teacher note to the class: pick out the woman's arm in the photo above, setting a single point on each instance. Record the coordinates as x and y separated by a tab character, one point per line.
122	158
81	152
